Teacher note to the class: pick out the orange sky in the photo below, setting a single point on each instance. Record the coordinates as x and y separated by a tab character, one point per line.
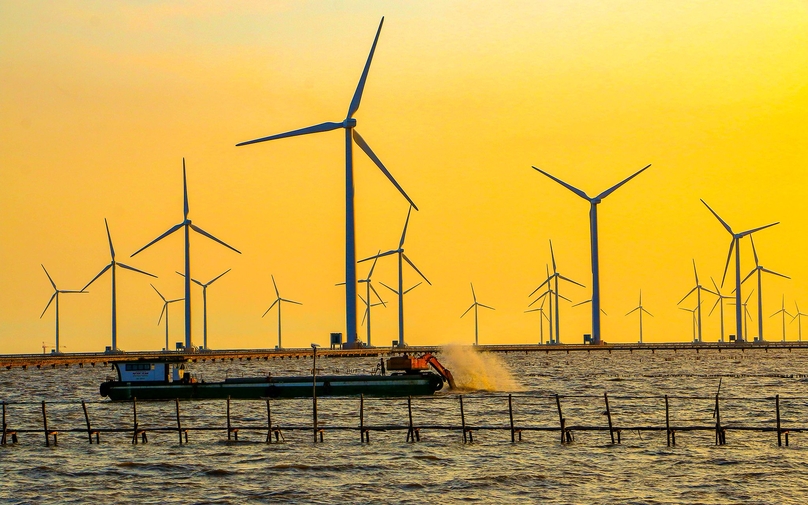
101	101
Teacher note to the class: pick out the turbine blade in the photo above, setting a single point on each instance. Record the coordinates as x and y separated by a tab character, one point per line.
614	188
391	289
159	293
695	272
538	288
754	251
276	286
467	311
647	312
716	287
184	191
165	307
99	274
192	279
750	274
552	256
726	226
473	295
568	186
217	277
135	270
388	253
632	310
109	237
570	280
48	305
486	306
408	290
377	295
365	147
729	257
564	297
203	232
373	266
322	127
714	306
581	303
773	272
360	88
404	233
169	232
270	307
290	301
365	314
49	277
415	268
688	294
749	232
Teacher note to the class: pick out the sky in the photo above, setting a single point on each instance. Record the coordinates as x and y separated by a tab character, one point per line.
101	101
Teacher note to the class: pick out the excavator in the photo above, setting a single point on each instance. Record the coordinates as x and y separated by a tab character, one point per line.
411	364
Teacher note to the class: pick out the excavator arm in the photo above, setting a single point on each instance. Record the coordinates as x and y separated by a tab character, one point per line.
442	371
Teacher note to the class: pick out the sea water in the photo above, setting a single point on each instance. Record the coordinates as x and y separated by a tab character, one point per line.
439	468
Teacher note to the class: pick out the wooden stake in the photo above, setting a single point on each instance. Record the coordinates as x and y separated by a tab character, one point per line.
179	424
668	423
510	415
47	435
134	422
609	415
779	433
3	440
463	419
561	419
90	431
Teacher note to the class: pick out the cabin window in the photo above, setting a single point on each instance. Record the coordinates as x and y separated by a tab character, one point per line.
138	367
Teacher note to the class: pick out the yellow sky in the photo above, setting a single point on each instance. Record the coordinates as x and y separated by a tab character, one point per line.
101	101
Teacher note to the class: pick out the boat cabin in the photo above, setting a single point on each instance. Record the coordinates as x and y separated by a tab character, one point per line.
153	371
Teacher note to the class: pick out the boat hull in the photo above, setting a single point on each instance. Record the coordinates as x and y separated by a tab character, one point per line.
425	383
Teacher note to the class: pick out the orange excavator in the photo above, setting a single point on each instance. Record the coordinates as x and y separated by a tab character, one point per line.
410	364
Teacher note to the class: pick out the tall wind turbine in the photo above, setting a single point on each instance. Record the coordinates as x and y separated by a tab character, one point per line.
639	308
400	295
368	302
165	311
556	276
593	234
785	313
719	302
401	259
759	269
351	135
279	301
736	243
474	306
55	295
798	317
549	294
187	226
542	317
747	316
692	311
113	265
698	289
205	305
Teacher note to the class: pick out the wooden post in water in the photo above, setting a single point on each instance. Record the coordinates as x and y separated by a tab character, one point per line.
90	431
134	420
179	424
779	433
230	429
47	434
412	432
463	420
3	440
609	415
364	434
561	420
314	390
720	436
671	436
269	423
510	416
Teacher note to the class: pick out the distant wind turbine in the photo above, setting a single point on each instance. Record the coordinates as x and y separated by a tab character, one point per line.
798	317
205	305
279	301
698	289
736	243
401	259
593	234
549	291
556	276
368	302
639	308
474	306
55	295
785	313
759	269
165	311
351	135
693	312
112	265
719	302
747	316
542	317
187	226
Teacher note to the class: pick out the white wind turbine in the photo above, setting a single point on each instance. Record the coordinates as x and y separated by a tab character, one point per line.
351	136
278	301
205	305
759	269
542	317
474	306
698	289
368	302
693	312
55	296
593	234
165	311
798	317
719	302
555	277
785	313
639	308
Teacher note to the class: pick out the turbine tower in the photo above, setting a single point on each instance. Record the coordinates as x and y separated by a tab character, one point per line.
798	317
639	308
719	302
55	295
698	289
205	305
556	276
747	315
736	243
279	301
187	226
165	311
593	234
113	265
351	135
759	269
401	294
785	313
401	259
474	306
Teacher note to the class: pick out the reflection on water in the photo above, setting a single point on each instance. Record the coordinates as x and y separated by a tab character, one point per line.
750	469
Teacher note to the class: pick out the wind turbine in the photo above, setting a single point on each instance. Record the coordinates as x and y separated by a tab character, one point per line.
593	234
556	276
400	296
187	226
474	306
55	295
736	243
692	311
401	258
205	305
542	317
368	288
798	317
351	135
747	315
641	309
112	265
698	289
785	313
719	302
759	269
279	301
165	311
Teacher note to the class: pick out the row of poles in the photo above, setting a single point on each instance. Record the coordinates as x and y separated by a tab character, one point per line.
275	431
